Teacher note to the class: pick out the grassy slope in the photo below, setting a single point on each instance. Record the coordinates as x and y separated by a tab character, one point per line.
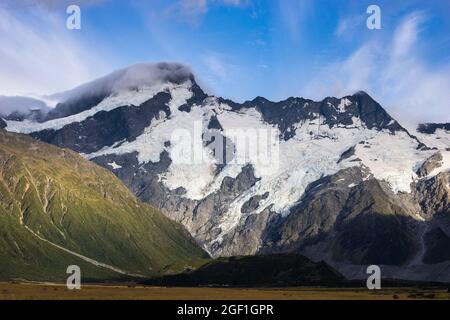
82	207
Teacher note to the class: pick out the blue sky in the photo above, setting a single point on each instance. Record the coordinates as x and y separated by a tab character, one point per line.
240	49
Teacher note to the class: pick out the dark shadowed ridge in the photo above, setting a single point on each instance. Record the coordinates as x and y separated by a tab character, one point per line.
287	113
430	128
264	270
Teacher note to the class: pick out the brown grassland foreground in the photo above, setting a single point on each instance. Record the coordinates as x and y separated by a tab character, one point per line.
46	291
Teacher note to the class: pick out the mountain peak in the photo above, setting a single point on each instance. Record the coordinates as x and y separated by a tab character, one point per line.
362	93
259	99
373	114
137	76
132	77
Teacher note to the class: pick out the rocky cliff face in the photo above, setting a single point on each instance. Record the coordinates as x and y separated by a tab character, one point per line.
337	179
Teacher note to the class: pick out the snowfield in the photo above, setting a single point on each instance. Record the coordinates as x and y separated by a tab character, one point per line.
284	168
284	172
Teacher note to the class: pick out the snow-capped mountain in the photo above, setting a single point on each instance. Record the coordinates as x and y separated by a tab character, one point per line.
337	180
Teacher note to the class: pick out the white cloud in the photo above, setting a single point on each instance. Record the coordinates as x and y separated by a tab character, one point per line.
216	66
48	4
39	55
218	73
192	11
293	14
233	2
406	35
347	26
394	73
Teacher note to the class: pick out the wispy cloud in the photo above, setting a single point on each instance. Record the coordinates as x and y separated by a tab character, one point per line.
218	71
406	35
190	10
293	14
234	2
347	25
259	42
48	4
396	74
39	55
193	11
216	66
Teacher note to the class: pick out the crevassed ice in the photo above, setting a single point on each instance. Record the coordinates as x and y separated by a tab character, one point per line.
393	158
303	159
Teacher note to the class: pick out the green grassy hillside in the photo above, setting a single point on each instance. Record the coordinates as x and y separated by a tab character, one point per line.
57	209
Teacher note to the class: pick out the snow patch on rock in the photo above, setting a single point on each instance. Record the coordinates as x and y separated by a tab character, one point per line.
116	100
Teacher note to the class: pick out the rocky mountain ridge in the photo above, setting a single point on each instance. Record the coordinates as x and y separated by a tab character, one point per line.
337	179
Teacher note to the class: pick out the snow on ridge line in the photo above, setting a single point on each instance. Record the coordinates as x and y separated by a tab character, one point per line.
150	144
305	158
125	98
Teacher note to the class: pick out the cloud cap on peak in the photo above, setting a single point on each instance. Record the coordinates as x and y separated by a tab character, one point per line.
149	73
134	76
